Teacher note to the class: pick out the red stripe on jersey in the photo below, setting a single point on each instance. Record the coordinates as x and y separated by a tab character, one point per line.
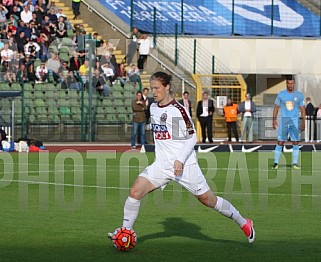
187	121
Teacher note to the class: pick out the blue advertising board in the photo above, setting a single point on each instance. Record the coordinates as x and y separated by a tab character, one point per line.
220	17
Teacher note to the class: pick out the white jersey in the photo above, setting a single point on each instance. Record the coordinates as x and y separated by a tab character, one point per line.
174	134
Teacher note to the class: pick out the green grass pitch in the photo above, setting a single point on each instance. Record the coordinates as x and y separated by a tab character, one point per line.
60	206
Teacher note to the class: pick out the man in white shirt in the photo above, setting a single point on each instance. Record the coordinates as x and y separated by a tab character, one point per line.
247	108
41	73
108	72
6	53
26	14
144	50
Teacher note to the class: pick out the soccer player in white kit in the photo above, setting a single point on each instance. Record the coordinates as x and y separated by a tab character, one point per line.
175	138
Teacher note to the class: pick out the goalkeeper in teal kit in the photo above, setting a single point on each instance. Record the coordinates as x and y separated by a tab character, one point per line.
291	104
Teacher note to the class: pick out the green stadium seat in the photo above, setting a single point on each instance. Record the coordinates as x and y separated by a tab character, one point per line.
129	94
117	95
107	102
118	103
111	118
129	87
27	86
121	110
117	87
110	110
128	102
39	94
4	86
16	87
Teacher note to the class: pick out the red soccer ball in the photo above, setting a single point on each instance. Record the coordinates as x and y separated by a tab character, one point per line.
124	238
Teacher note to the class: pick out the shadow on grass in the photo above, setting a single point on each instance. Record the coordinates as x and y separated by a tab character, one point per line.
178	227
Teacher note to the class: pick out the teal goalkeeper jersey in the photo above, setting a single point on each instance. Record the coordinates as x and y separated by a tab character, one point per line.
290	103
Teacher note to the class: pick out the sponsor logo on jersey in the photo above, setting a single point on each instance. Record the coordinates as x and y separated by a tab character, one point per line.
160	132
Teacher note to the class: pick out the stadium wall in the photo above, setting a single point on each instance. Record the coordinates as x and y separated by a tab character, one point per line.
264	56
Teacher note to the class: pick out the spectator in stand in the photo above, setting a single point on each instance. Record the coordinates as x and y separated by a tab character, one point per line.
31	71
145	46
10	74
67	22
26	14
52	5
7	3
12	22
72	81
39	14
42	73
61	28
47	31
22	27
45	21
105	59
104	48
3	17
43	43
22	74
34	31
122	74
53	65
84	72
108	72
96	38
30	4
21	40
99	83
17	8
63	73
230	114
6	54
74	62
52	16
134	76
43	5
133	45
12	45
32	49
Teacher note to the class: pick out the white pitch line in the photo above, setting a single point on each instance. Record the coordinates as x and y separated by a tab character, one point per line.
127	188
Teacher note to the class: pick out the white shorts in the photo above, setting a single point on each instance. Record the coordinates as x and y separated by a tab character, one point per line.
191	179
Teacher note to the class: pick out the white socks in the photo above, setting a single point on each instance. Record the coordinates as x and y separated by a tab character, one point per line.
227	209
223	206
131	209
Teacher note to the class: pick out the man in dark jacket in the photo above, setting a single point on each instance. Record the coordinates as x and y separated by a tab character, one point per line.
309	112
204	113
